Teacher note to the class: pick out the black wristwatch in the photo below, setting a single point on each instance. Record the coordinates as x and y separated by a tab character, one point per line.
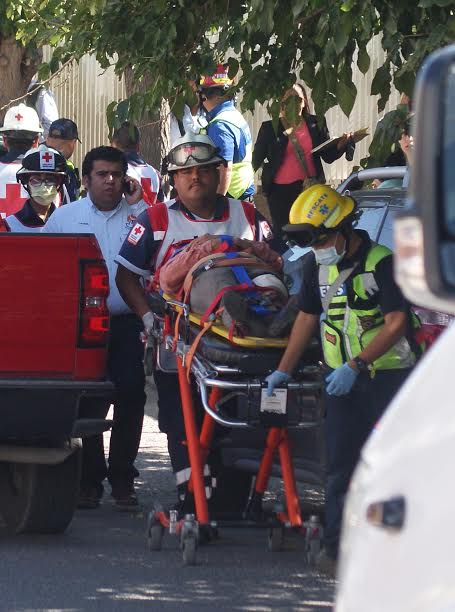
361	365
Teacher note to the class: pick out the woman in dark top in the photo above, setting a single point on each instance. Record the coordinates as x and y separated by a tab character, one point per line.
283	174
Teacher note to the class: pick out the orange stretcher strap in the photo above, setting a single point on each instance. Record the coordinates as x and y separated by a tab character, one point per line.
193	347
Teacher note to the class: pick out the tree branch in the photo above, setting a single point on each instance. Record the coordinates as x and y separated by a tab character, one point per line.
29	93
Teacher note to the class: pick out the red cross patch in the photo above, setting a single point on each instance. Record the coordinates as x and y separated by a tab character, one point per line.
136	234
18	117
47	160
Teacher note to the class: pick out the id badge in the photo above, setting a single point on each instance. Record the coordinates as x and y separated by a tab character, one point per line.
275	404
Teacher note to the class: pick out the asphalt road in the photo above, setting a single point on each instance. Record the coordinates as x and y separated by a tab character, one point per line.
102	563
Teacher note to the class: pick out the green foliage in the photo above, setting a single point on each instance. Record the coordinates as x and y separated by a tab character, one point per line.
386	136
170	41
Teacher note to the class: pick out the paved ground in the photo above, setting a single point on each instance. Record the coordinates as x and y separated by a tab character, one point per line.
101	563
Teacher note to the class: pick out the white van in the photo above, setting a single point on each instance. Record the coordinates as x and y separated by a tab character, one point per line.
398	541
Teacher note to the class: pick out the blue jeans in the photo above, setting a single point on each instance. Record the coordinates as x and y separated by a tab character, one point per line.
349	421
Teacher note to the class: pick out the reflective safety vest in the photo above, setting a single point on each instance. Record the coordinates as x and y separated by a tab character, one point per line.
242	171
354	317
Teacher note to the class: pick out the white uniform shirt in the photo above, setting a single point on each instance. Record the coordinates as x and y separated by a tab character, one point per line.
110	228
191	123
47	110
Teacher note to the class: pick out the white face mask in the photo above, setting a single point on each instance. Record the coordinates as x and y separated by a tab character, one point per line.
329	256
43	194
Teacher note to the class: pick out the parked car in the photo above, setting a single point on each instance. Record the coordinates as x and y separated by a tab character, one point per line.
379	209
398	533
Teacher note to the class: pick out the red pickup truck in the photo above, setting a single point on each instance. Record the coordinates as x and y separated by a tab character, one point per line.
54	326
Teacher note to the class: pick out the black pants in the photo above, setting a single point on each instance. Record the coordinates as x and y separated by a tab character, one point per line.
349	421
171	422
170	417
280	199
125	368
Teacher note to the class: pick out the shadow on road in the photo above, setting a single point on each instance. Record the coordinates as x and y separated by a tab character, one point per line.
102	562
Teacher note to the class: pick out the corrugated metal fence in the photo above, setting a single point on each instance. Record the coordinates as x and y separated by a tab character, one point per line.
84	90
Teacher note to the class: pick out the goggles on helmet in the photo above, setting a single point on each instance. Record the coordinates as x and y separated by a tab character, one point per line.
199	152
308	236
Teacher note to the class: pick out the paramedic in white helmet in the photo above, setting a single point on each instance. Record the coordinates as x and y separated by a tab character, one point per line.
193	165
42	174
21	129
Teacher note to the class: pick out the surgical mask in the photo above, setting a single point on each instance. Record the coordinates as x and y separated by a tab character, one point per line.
43	194
329	256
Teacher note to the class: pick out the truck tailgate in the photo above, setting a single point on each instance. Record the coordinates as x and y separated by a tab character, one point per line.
39	303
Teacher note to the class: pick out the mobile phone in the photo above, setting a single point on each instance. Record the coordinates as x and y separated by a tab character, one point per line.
127	187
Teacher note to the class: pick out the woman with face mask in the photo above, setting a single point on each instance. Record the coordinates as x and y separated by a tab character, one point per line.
348	290
44	176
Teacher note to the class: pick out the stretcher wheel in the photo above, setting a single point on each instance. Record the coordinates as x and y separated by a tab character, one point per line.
189	547
276	539
189	540
155	532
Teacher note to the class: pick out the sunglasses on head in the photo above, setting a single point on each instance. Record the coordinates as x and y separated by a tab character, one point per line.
199	152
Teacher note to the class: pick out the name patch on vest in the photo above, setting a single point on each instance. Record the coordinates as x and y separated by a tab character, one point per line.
324	288
330	338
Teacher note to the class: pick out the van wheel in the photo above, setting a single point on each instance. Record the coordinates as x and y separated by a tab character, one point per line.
38	498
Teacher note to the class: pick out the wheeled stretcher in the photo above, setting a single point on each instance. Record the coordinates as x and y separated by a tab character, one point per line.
231	370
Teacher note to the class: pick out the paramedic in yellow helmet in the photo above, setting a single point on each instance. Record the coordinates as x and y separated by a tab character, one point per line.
366	327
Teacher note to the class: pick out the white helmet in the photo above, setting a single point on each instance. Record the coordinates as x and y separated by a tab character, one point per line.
271	281
21	118
193	150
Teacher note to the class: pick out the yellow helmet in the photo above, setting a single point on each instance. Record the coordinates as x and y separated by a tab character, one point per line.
317	212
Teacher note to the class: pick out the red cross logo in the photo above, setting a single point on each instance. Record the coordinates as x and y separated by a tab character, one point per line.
189	149
19	117
138	230
13	200
47	157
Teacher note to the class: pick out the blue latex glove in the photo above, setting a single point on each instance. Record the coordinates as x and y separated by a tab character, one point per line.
341	380
274	379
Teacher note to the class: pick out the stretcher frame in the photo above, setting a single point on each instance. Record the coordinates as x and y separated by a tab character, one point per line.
212	380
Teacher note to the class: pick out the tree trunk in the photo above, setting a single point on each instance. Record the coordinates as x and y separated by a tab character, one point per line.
17	67
154	129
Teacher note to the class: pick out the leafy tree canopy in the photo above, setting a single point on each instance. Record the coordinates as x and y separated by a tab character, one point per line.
275	42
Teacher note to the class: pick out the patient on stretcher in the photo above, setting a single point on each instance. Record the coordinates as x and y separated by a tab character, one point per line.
240	280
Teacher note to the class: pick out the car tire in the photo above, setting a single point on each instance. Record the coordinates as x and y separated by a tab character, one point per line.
37	498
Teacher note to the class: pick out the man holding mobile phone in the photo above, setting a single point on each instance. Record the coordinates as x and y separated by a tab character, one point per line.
109	212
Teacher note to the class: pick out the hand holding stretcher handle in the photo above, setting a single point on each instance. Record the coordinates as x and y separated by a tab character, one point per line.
276	378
